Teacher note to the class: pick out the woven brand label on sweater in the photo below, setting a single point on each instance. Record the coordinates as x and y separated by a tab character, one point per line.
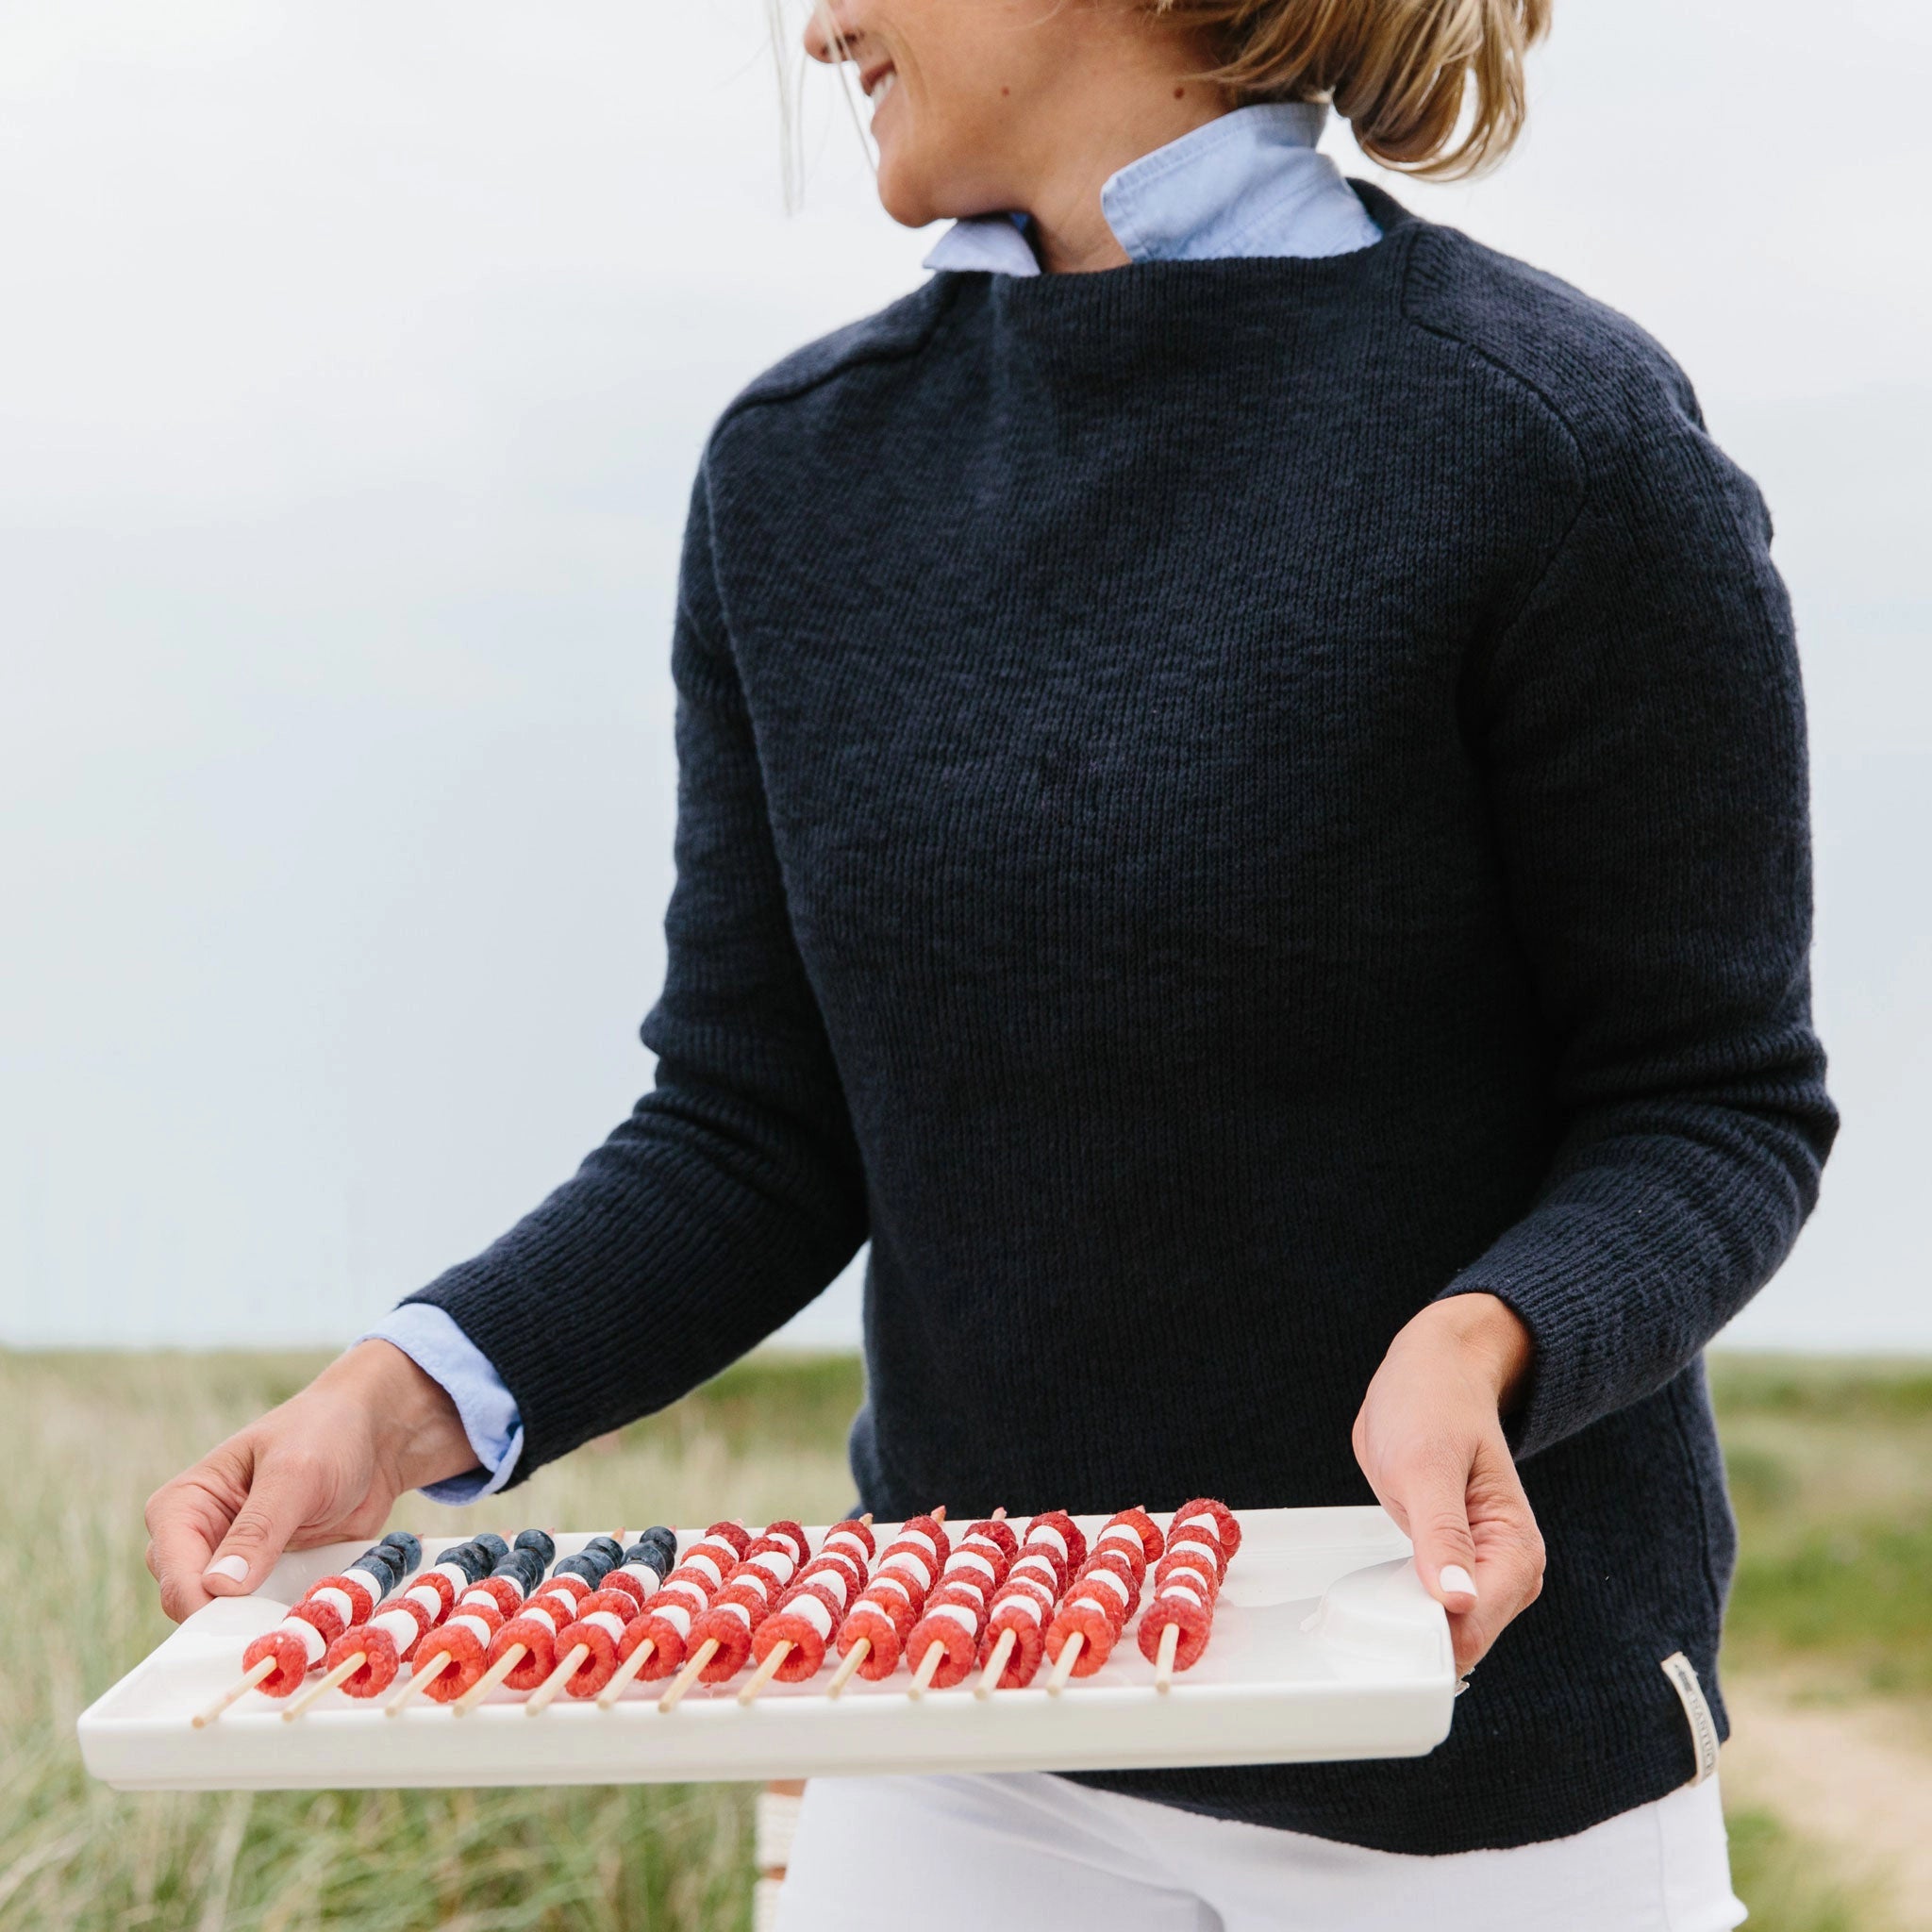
1676	1667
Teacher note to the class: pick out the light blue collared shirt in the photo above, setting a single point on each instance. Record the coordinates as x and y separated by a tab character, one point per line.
1248	184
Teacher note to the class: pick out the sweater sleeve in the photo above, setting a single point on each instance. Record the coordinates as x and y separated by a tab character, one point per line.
734	1192
1641	725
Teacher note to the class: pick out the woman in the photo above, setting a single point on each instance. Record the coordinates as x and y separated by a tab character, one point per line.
1243	818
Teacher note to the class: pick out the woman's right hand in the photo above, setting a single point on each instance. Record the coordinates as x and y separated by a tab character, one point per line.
324	1467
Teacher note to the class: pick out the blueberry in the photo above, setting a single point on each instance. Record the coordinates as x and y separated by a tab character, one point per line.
539	1542
406	1547
529	1568
384	1565
468	1557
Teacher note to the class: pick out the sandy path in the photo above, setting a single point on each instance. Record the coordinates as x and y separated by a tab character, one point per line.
1854	1778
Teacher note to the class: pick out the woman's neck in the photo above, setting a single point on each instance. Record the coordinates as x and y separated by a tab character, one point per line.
1149	98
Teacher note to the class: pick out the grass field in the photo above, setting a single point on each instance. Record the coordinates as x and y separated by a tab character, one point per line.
1831	1478
1832	1465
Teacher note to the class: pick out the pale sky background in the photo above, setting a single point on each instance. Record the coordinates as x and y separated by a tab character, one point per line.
356	358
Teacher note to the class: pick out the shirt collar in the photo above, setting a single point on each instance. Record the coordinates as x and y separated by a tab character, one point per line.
1247	183
985	244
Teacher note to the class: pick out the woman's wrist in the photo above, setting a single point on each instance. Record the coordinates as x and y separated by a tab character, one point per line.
1488	1336
419	1432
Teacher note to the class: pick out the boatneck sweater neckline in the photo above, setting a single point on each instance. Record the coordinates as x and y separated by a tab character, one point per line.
1135	285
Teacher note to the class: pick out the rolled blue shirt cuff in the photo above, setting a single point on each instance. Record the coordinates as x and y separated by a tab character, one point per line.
488	1411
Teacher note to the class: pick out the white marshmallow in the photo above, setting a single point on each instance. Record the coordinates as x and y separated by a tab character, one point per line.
397	1625
340	1601
312	1645
678	1614
970	1560
811	1610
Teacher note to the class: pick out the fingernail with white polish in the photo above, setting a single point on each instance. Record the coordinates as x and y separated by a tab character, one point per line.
236	1569
1455	1581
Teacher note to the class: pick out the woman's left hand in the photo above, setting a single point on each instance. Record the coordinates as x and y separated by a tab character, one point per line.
1429	1439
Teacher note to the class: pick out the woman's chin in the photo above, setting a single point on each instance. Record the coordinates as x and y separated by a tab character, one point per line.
905	192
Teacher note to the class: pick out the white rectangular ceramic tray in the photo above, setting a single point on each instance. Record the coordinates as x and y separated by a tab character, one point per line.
1325	1646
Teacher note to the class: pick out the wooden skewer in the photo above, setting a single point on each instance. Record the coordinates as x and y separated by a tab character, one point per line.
418	1680
938	1515
235	1691
626	1671
341	1675
996	1663
688	1676
1163	1664
490	1679
774	1663
847	1665
539	1701
1063	1670
928	1665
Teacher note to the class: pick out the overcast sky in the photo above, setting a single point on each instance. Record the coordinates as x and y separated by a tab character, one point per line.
356	361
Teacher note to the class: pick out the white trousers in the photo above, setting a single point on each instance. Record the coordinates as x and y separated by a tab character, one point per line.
1028	1853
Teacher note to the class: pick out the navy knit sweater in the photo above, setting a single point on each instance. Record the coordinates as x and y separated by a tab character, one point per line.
1220	802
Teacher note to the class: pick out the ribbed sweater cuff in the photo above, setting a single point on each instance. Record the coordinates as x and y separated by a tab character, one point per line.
1583	1305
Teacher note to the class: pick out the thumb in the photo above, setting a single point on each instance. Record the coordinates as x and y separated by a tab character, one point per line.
1438	1512
281	1498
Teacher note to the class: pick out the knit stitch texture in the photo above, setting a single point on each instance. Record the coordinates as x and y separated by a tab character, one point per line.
1220	802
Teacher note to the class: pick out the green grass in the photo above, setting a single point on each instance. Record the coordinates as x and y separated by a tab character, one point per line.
1834	1389
1858	1593
1831	1463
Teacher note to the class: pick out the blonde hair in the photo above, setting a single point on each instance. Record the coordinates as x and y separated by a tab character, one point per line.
1398	71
